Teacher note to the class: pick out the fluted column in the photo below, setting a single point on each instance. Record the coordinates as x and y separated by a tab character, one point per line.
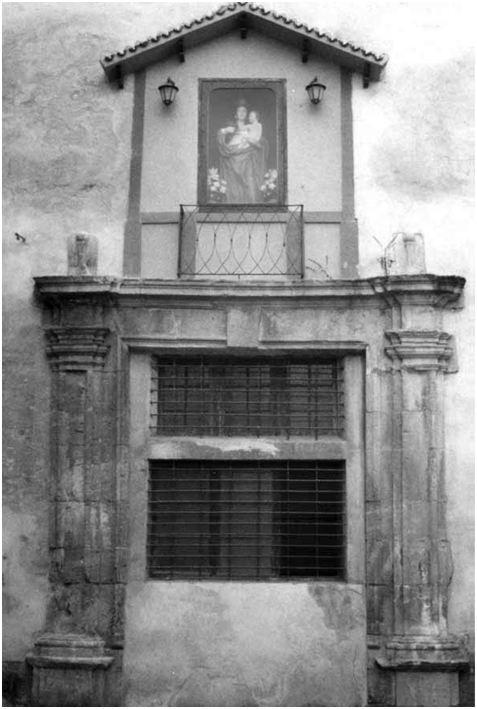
422	562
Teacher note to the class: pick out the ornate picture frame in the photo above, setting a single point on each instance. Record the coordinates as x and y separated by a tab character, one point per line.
242	142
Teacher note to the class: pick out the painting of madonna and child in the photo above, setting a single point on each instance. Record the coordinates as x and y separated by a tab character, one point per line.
242	146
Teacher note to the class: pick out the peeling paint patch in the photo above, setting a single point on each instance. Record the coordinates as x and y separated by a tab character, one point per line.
211	447
342	606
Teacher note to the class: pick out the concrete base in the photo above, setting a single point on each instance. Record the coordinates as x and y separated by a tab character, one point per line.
68	671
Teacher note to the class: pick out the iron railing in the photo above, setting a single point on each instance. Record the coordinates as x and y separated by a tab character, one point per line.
238	240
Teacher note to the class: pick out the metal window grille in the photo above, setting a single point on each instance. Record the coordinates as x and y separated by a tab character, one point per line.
255	397
246	520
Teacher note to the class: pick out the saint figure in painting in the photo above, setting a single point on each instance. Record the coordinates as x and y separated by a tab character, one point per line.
243	155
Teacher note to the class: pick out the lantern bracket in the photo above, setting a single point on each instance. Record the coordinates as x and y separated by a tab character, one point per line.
366	75
243	26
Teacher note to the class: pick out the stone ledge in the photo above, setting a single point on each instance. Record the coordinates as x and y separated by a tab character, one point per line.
70	662
77	348
420	350
53	649
421	654
432	289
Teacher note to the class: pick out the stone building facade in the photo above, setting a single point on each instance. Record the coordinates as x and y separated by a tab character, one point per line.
197	378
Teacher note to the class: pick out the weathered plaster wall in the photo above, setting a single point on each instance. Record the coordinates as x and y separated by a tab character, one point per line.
249	645
66	169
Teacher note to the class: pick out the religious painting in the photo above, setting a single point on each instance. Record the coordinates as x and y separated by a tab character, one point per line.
242	142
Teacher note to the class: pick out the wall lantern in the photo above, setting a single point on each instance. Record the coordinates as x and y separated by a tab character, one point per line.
168	91
315	90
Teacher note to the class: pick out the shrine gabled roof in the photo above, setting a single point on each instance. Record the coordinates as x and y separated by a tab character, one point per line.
242	17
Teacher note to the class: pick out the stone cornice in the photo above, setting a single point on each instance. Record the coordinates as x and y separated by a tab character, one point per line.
77	348
420	350
426	289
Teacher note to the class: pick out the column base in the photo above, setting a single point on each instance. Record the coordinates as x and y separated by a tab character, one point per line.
426	670
68	670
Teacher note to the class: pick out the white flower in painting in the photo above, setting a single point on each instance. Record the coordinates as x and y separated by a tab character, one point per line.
217	186
269	187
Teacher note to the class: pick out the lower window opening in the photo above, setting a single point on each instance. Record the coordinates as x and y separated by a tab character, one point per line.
246	520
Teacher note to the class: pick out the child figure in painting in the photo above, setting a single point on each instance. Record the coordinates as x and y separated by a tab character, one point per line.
254	128
247	134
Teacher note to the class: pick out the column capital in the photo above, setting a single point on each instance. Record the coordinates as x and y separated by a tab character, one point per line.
77	348
420	350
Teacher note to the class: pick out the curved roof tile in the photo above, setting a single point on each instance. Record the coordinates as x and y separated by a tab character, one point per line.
204	28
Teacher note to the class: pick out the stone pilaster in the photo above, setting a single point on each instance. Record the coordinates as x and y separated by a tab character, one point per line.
85	529
425	660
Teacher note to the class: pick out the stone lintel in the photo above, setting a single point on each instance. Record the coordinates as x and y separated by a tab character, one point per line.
420	350
423	654
77	348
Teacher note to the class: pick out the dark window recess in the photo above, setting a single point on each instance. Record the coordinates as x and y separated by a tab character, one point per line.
246	520
259	397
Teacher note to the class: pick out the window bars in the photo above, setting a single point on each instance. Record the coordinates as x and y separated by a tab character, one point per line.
247	397
241	240
246	520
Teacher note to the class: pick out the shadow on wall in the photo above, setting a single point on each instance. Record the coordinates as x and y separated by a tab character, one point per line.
15	684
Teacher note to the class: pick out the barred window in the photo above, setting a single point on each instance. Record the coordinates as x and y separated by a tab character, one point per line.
256	397
246	519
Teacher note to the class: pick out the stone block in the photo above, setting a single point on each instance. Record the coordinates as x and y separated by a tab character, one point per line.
380	682
413	391
419	611
405	254
379	554
379	609
379	458
70	524
82	255
427	689
243	327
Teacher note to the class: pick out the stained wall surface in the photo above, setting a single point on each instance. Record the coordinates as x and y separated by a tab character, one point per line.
67	150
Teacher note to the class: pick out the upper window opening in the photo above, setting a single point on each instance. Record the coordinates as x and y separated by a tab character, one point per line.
247	397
